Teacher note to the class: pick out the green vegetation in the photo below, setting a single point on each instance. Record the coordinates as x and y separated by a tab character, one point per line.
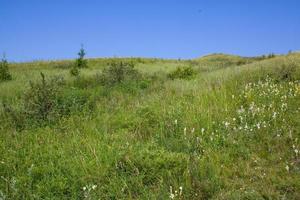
80	63
4	72
182	73
217	127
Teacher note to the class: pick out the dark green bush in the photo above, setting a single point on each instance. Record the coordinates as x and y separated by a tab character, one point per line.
45	102
42	99
4	72
182	73
119	72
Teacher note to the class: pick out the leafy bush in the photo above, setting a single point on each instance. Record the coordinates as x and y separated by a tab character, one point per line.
4	72
45	103
182	73
42	99
119	72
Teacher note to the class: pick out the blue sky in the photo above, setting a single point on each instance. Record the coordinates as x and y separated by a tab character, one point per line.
54	29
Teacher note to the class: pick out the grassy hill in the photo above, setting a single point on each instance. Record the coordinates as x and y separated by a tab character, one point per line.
217	127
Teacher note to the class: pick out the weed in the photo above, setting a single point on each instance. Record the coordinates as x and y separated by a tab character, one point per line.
45	102
119	72
182	73
4	71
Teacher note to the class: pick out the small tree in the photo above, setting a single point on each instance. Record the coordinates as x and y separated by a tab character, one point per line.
81	62
4	72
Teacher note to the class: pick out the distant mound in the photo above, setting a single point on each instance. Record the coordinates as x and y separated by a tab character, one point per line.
225	59
218	61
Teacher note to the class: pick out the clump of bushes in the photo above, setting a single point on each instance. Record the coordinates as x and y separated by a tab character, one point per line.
120	76
4	71
119	72
41	100
44	103
182	73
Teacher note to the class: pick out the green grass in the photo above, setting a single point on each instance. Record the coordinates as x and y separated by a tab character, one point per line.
230	132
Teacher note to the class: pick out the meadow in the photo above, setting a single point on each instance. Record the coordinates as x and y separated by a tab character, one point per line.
215	127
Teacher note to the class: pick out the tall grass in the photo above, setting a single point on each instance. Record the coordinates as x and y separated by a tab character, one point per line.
230	132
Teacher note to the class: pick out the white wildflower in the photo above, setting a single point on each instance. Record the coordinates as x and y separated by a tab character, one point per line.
226	124
202	130
287	168
258	125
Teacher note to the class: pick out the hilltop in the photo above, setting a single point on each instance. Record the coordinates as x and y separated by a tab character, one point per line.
216	127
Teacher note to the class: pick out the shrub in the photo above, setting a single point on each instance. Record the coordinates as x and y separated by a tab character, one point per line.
45	102
4	72
119	72
41	100
182	73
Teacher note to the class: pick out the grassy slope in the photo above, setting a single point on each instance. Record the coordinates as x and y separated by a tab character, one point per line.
216	136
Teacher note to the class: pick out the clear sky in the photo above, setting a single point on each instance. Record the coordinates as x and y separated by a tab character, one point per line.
54	29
